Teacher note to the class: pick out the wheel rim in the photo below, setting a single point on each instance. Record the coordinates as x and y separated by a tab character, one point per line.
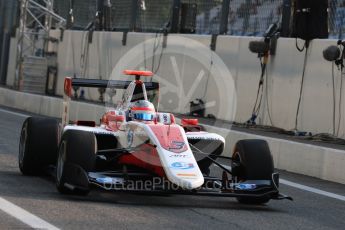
22	145
237	157
60	162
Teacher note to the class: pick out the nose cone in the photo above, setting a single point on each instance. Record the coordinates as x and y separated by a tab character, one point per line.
175	155
185	175
190	183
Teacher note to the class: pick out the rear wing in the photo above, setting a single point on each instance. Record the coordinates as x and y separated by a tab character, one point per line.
96	83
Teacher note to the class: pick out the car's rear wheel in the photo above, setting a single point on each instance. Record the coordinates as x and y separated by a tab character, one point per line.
252	160
38	145
76	157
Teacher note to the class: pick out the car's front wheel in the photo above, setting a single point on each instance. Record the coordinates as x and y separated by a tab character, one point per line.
252	160
76	157
38	145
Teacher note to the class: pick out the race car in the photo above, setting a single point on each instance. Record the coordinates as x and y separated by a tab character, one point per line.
135	148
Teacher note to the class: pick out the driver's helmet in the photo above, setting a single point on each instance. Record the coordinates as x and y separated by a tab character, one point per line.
142	110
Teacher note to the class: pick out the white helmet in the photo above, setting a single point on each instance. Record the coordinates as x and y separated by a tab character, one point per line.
142	110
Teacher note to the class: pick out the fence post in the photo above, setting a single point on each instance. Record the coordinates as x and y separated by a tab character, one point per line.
2	21
107	15
224	20
286	18
99	16
2	34
332	15
8	12
133	24
175	19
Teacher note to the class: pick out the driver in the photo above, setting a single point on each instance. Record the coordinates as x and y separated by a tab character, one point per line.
142	110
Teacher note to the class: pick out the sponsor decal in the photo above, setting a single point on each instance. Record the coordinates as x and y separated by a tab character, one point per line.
203	138
186	174
109	180
181	156
165	118
245	186
176	145
130	138
91	130
139	133
182	165
104	180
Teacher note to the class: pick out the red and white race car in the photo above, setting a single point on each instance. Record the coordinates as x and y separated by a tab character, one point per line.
135	148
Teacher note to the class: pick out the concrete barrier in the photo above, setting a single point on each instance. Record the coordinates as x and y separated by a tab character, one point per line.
283	80
48	106
306	159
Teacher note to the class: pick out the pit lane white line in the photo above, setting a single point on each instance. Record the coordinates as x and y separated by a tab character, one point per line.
312	190
13	113
24	216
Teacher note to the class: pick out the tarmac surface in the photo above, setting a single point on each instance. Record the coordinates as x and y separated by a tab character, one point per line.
33	202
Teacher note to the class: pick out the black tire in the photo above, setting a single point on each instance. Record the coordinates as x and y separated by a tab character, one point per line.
38	145
252	160
77	149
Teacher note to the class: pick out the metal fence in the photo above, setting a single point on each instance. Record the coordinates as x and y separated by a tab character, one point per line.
252	17
208	17
337	19
121	14
8	23
84	11
244	17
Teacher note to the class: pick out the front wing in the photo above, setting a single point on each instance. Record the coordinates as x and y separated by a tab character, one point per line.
145	183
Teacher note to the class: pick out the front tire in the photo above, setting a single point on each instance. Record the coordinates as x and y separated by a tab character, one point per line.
38	145
252	160
77	156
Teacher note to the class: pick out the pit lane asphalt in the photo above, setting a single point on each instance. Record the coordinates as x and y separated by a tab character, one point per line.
102	210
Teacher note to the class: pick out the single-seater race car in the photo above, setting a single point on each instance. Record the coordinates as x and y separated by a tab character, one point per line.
135	148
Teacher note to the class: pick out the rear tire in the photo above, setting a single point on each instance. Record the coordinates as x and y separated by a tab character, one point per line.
252	160
38	145
77	148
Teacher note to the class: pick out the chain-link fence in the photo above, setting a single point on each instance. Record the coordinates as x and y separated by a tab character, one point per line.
208	15
253	17
121	14
84	11
154	15
233	17
337	19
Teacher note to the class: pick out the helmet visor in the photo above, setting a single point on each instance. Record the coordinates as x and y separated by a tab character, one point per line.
143	116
